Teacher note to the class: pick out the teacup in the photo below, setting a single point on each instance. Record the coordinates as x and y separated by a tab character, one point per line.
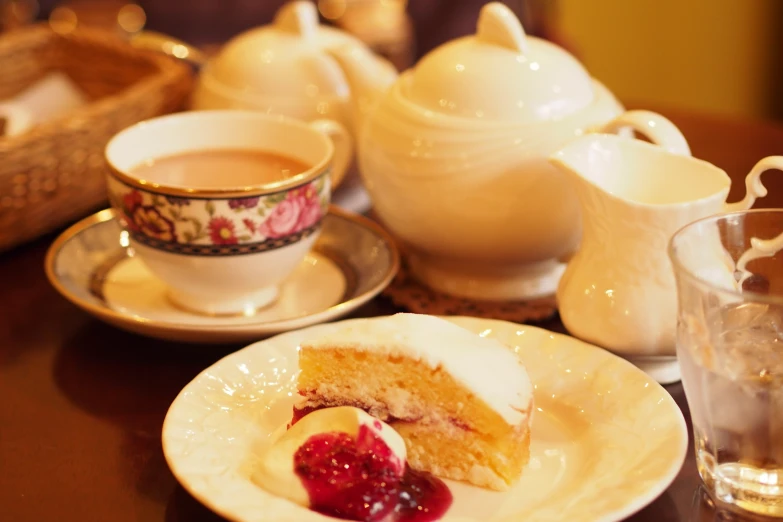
223	247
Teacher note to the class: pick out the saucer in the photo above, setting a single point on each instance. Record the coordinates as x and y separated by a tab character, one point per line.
91	265
606	439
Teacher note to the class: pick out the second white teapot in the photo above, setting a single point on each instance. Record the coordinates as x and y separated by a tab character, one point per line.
284	68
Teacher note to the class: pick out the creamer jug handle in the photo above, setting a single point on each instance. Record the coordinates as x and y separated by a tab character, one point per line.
754	188
653	126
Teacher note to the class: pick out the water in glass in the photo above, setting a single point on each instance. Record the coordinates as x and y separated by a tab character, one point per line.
734	386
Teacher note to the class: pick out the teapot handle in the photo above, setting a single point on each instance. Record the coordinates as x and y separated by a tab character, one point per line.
652	125
754	188
343	148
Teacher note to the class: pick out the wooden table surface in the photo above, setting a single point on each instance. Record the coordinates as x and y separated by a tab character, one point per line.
82	403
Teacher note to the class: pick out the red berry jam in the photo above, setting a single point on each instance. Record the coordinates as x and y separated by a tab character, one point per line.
423	497
300	413
363	480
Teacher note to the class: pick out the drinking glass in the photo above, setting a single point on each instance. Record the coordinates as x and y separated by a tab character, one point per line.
730	348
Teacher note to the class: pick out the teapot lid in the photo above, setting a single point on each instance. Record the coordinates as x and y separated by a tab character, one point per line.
284	59
500	74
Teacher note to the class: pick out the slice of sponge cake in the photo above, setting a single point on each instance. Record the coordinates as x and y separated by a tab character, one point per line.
461	401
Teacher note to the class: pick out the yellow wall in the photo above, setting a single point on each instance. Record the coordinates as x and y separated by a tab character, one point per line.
709	55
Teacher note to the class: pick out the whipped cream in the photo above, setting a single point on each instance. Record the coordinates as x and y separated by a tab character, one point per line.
486	366
276	472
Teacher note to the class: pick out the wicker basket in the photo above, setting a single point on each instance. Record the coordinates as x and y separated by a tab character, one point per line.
54	173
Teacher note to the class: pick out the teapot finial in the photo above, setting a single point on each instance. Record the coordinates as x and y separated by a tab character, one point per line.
299	17
498	25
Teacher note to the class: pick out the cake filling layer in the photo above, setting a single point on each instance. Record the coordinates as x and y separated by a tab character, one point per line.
379	413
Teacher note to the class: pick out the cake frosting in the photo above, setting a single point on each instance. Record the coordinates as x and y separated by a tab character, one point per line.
490	369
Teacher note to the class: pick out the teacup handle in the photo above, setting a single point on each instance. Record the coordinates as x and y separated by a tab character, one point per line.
754	188
655	127
343	147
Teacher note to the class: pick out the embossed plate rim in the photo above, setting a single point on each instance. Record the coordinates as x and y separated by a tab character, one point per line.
556	356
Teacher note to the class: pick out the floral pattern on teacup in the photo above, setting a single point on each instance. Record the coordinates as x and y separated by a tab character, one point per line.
220	222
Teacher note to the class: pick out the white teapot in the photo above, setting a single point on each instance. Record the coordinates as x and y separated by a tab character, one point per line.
454	155
283	68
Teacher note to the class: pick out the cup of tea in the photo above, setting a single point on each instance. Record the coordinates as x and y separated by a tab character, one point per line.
223	205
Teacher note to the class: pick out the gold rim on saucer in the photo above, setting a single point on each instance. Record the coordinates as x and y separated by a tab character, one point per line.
353	296
101	272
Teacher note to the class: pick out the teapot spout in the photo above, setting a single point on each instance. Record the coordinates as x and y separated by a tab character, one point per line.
368	75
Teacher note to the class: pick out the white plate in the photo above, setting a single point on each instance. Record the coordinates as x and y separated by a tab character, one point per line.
606	439
352	261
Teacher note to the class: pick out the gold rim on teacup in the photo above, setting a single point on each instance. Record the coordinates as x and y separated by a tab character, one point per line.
314	172
226	248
